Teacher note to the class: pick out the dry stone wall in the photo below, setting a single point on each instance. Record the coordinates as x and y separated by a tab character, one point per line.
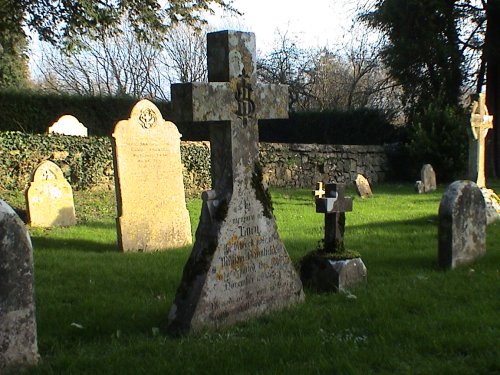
302	165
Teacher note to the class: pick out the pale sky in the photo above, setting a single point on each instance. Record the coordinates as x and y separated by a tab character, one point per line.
315	23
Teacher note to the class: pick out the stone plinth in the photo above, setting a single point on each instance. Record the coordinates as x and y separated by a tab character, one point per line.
327	275
151	203
18	339
462	225
49	198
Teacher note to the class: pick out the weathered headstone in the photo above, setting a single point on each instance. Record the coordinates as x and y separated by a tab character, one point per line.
239	268
462	225
49	198
68	125
428	178
363	187
151	203
331	268
18	339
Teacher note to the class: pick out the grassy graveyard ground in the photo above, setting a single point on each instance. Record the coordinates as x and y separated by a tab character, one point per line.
98	310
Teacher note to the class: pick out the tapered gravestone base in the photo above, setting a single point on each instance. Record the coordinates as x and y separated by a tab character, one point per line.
239	268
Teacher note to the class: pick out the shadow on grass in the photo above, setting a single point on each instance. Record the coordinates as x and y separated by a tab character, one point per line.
80	245
393	224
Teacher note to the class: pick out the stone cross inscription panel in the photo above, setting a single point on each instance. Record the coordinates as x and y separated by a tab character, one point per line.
239	268
152	213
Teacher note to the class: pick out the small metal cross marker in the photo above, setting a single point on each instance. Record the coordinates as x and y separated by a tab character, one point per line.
480	122
334	205
319	192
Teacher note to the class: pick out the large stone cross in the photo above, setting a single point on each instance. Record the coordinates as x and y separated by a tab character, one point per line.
231	103
480	122
334	205
239	267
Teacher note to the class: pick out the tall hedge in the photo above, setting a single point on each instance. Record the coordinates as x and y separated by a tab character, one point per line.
33	112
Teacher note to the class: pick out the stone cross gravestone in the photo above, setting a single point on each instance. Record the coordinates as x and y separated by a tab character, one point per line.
334	204
363	186
18	339
462	225
151	203
480	122
239	268
428	178
331	268
49	198
68	125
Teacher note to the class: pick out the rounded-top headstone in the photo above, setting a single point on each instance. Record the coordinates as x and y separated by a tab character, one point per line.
68	125
462	225
363	186
49	197
18	343
151	203
428	178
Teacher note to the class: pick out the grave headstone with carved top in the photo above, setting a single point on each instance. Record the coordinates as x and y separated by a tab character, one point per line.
49	198
239	267
151	203
428	178
332	268
18	338
68	125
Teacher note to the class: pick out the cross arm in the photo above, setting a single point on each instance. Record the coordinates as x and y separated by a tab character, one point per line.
271	101
202	102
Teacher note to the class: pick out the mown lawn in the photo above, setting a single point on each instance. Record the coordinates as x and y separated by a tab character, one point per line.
98	310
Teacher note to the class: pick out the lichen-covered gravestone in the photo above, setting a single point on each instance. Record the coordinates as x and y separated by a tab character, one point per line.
239	267
152	213
18	344
363	186
68	125
49	198
462	225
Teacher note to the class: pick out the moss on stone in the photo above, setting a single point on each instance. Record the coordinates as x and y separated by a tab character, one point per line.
262	194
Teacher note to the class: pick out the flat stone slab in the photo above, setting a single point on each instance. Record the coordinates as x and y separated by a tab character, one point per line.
49	198
18	339
462	225
327	275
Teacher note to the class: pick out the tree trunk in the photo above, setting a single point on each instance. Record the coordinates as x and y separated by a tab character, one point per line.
493	84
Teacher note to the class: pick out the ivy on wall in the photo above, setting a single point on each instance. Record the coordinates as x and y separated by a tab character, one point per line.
86	162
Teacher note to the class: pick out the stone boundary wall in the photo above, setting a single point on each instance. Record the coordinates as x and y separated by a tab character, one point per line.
302	165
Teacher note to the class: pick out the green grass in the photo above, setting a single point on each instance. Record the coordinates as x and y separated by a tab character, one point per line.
98	310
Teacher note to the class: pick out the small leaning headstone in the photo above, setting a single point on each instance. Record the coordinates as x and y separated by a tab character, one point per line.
49	198
363	186
332	268
428	178
18	338
462	225
151	202
68	125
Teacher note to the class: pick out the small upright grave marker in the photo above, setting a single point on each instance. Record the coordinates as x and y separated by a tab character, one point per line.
239	268
462	225
68	125
151	203
427	180
49	198
363	186
18	343
332	268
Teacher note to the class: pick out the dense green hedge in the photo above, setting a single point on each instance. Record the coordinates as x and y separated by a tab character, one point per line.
86	162
33	112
